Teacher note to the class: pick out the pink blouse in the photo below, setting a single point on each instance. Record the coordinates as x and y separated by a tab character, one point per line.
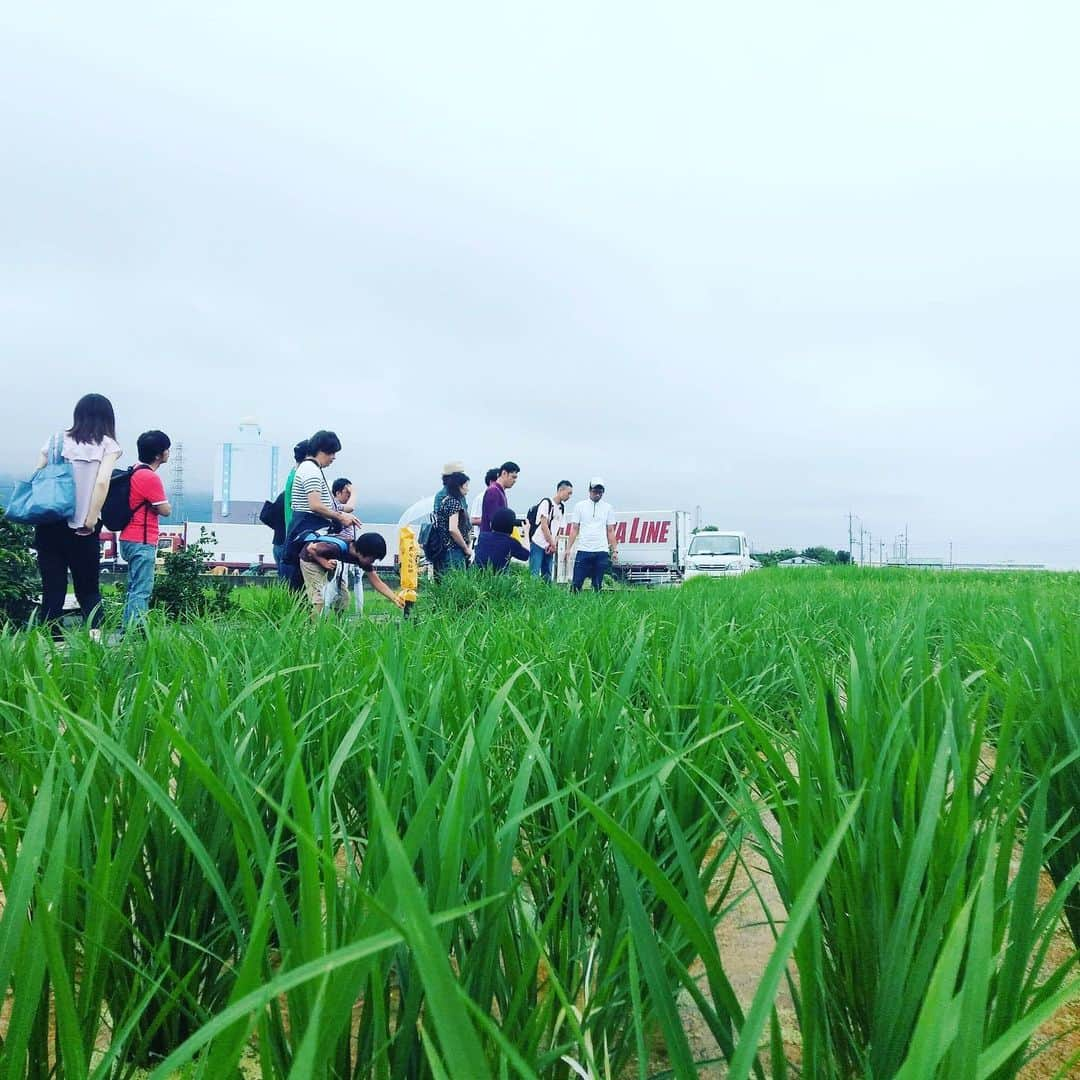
85	461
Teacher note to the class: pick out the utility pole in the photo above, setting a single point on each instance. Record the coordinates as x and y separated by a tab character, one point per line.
950	555
905	546
849	538
881	553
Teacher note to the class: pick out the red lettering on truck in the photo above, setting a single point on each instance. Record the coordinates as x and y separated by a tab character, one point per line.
643	531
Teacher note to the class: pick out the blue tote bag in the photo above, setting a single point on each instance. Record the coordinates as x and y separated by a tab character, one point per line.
48	496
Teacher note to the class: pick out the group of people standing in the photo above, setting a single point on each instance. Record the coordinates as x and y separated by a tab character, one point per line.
89	446
318	539
455	519
589	525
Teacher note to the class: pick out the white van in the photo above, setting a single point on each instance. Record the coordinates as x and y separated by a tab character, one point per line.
718	554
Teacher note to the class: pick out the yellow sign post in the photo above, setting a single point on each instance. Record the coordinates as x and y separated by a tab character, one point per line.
409	562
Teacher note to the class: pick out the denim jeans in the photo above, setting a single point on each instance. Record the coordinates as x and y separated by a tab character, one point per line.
590	564
140	578
453	558
540	562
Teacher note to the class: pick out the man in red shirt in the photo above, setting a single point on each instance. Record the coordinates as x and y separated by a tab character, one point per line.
138	541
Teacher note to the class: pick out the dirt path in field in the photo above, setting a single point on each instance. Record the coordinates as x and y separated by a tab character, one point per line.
1065	1025
746	943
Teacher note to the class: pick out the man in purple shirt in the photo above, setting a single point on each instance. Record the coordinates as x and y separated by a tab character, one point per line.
495	496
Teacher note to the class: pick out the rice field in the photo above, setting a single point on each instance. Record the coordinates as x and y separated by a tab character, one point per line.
820	824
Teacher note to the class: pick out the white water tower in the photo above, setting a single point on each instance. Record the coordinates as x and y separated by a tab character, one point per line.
245	475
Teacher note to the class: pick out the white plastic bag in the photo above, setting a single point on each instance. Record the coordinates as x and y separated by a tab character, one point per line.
330	592
356	584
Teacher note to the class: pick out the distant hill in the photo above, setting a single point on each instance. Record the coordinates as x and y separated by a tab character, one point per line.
198	506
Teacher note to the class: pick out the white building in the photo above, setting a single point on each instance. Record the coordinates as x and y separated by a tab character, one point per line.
245	475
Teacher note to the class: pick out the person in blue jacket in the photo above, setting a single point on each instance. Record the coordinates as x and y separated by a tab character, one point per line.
495	549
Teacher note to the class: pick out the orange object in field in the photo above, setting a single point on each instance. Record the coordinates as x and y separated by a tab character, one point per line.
409	565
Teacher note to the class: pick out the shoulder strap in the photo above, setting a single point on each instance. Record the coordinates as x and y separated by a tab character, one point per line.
326	538
144	505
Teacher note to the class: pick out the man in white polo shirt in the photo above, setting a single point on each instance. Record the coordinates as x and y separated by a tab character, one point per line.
592	527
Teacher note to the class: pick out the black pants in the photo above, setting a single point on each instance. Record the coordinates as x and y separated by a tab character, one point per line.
590	564
58	551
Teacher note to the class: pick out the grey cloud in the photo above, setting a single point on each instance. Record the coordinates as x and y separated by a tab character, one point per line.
778	267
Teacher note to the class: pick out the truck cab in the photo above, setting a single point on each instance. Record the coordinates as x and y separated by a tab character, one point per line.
718	553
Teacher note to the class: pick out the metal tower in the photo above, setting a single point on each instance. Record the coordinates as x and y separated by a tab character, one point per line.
176	460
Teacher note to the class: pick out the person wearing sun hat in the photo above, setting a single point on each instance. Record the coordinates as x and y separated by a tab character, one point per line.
592	529
448	470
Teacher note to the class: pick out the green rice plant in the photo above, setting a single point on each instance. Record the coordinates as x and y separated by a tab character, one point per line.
498	837
935	830
1051	735
181	589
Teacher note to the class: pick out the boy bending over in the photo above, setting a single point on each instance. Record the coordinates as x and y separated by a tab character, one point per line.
320	561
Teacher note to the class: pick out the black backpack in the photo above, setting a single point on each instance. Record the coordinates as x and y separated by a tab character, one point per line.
532	515
117	511
272	514
431	539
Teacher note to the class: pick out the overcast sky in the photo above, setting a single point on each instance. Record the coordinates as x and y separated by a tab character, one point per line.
781	261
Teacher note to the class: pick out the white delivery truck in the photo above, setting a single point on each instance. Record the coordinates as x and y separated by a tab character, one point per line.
718	553
236	546
652	544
